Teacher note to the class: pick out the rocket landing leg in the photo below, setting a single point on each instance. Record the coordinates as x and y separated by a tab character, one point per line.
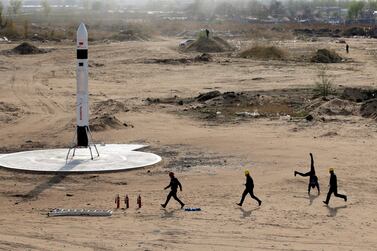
82	139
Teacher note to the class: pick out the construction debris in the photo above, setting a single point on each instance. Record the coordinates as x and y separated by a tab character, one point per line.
79	212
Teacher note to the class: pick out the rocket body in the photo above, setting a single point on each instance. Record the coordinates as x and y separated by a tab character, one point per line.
82	111
82	104
83	134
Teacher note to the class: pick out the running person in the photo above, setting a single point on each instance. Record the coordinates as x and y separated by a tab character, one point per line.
249	189
333	188
174	184
313	179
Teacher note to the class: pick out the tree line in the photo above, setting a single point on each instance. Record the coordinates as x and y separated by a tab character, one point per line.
293	9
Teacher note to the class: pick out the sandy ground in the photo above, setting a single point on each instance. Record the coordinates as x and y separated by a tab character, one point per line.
209	160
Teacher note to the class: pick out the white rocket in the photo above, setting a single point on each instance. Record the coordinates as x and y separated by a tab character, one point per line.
83	133
82	112
82	105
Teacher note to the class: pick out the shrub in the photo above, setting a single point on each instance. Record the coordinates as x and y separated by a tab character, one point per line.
324	85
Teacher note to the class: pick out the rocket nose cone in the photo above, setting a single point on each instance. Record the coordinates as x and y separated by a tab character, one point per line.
82	30
82	37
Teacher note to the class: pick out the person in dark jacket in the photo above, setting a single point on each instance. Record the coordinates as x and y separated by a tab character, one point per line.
249	189
313	179
333	188
174	184
207	33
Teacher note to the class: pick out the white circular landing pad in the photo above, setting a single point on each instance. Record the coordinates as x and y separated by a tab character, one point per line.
112	158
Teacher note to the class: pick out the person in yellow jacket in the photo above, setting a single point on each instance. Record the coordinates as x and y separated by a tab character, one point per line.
249	189
333	188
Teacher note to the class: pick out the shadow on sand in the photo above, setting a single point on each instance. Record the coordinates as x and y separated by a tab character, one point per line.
247	213
33	194
56	179
311	198
169	213
334	210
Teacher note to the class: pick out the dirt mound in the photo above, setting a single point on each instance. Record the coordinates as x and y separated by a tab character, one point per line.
326	56
216	98
230	98
369	109
26	48
8	112
109	106
6	107
264	53
337	107
204	44
356	31
131	35
203	58
359	94
329	134
324	32
237	106
207	96
222	42
173	61
284	104
361	32
106	121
